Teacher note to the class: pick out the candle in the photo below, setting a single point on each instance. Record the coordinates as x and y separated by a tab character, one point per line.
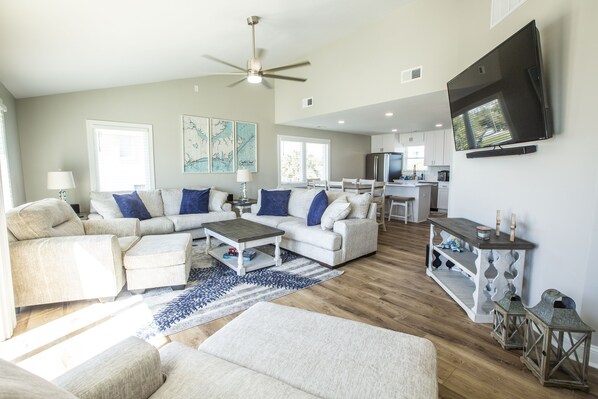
513	219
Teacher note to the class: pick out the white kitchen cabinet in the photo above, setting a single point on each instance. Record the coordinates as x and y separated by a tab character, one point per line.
443	193
384	143
414	138
434	148
449	146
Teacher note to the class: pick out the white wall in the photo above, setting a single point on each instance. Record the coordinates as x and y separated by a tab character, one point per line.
13	146
53	132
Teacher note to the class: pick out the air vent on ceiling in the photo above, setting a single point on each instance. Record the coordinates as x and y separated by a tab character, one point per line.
501	8
307	102
409	75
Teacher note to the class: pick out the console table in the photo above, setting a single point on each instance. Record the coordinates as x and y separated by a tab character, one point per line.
482	273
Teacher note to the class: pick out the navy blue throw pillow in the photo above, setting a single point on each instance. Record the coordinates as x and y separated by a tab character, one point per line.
195	201
275	203
317	208
131	206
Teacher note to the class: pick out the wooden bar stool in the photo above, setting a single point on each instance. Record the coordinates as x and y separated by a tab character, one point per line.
404	202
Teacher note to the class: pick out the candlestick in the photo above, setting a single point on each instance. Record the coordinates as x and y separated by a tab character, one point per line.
497	223
513	226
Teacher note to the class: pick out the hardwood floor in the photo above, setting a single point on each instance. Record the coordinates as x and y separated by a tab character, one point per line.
391	290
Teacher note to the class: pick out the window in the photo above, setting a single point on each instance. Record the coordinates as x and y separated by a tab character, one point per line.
302	158
120	156
5	175
415	158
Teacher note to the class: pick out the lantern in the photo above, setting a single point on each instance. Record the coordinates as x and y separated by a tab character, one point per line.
508	321
557	342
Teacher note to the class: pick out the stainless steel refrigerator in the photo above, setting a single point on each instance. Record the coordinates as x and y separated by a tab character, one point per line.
383	166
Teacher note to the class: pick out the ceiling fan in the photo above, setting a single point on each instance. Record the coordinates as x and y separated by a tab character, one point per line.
254	72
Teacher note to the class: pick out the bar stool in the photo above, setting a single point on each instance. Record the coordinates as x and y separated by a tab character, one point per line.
404	202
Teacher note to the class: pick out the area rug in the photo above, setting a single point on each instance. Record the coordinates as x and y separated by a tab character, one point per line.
214	290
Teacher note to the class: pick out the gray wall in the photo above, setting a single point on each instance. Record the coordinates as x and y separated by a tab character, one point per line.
53	132
13	146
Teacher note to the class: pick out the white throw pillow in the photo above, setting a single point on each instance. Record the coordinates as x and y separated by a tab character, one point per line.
152	199
360	205
104	204
217	199
300	201
338	210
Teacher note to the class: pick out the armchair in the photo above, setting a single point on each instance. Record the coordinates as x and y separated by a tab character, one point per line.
56	257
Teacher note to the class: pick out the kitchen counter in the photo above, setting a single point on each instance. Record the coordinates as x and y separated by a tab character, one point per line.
421	191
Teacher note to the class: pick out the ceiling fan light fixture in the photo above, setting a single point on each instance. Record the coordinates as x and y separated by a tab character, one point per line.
254	78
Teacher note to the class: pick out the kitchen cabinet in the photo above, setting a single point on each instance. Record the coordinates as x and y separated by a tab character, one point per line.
443	193
449	146
434	148
414	138
384	143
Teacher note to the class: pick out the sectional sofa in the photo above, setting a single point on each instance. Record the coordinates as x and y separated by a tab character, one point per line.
164	206
348	239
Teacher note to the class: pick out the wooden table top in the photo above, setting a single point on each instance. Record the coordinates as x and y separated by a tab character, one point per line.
242	230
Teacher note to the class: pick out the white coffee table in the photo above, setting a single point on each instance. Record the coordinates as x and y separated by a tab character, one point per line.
243	234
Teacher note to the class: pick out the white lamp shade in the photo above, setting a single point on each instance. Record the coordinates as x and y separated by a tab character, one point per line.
244	175
60	180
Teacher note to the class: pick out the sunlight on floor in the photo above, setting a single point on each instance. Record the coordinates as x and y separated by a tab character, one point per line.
57	346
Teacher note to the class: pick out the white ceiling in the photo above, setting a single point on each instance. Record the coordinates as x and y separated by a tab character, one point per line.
64	46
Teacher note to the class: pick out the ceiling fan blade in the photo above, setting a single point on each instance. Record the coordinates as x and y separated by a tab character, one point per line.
267	75
237	82
209	57
266	83
281	68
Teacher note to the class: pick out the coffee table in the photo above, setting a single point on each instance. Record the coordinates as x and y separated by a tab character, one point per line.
243	234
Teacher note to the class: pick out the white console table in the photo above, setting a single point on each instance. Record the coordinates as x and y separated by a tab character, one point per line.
482	273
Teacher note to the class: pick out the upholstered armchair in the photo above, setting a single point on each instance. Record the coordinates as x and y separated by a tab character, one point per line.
56	257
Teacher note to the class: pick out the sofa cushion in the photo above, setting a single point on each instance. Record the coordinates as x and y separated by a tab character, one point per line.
194	201
131	206
274	202
126	243
196	220
317	208
159	225
217	200
300	201
272	221
18	383
49	217
194	374
327	356
152	199
104	204
360	205
338	210
297	230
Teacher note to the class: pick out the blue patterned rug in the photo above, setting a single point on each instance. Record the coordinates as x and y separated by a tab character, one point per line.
214	290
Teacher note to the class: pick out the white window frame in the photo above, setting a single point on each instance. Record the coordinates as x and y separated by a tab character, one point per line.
304	141
92	145
5	167
409	171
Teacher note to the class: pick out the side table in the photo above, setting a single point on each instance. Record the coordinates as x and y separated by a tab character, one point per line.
242	205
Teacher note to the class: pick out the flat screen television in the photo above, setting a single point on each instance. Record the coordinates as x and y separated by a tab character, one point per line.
501	98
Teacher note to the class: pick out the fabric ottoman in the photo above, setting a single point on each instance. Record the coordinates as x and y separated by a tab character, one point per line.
158	261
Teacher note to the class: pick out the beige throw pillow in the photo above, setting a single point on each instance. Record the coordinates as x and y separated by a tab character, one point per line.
338	210
360	205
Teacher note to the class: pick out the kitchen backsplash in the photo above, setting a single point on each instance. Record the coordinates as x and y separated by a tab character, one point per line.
432	173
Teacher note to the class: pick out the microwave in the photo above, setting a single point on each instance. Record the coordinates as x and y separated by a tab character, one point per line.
443	175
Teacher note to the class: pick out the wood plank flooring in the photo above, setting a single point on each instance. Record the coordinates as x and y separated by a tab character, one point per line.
391	290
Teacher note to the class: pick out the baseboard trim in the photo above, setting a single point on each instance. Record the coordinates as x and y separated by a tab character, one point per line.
594	356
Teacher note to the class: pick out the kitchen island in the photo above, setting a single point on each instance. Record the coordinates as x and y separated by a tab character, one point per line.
418	190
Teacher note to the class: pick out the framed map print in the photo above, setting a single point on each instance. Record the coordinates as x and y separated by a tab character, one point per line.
246	146
196	144
222	144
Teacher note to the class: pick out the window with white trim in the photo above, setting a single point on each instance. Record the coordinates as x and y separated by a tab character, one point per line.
4	168
301	158
121	156
415	158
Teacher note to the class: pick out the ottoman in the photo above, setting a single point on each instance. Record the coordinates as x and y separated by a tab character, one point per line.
158	261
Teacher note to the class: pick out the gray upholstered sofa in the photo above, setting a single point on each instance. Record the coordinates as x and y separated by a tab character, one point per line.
56	257
269	351
349	238
164	205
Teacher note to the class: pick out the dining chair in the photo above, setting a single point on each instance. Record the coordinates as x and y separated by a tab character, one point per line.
346	181
377	192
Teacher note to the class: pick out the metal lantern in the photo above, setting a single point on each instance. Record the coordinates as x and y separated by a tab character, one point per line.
557	342
508	321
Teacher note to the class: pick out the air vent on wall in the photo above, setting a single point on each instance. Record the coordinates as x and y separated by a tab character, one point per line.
307	102
501	8
409	75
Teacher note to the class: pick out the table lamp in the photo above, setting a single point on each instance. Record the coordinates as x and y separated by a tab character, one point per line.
243	176
61	180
